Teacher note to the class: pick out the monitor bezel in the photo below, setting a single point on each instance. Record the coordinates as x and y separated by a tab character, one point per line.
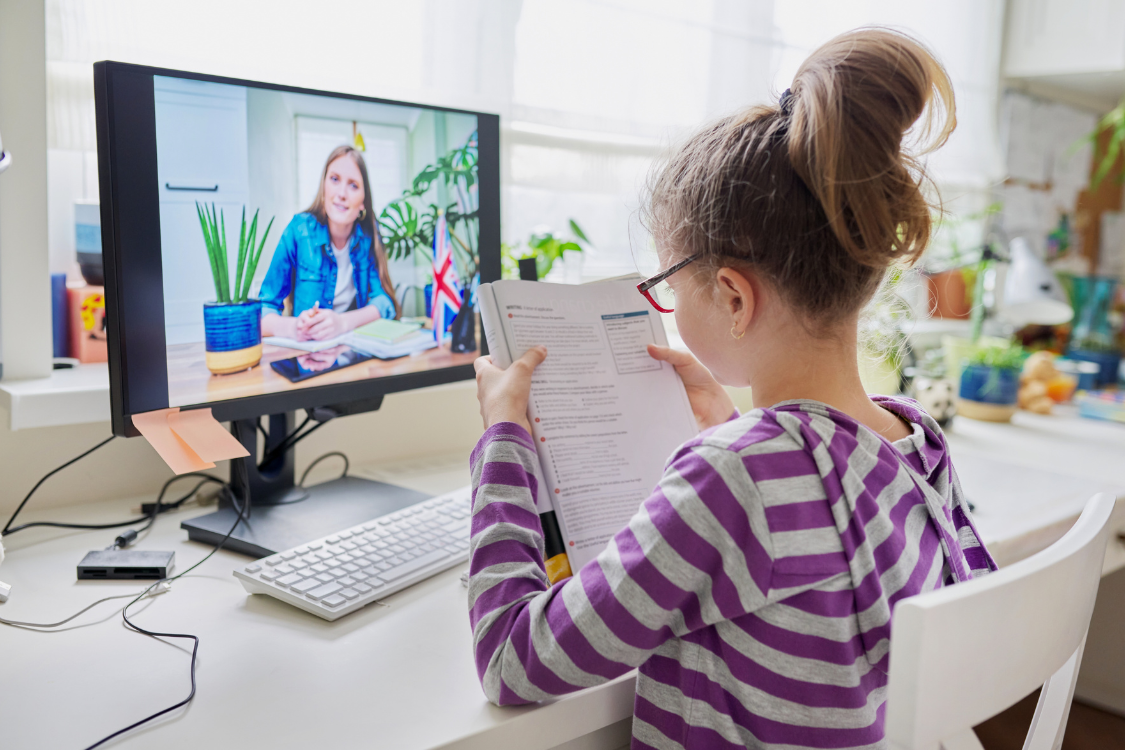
130	219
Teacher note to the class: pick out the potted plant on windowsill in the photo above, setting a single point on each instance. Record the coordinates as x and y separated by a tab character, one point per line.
232	324
990	383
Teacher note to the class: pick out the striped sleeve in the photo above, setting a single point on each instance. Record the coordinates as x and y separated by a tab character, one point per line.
696	553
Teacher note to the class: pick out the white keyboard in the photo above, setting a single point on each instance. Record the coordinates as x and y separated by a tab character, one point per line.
342	572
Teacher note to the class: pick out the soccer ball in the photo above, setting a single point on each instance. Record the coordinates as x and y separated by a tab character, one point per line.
937	397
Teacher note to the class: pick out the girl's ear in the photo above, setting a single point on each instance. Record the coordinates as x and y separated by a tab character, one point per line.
738	299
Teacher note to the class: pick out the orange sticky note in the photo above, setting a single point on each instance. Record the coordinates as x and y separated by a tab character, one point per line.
204	435
176	453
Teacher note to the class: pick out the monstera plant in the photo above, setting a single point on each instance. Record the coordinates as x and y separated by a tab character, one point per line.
407	225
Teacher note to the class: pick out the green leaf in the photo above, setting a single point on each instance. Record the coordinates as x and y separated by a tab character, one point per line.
577	231
241	257
1107	163
257	257
199	210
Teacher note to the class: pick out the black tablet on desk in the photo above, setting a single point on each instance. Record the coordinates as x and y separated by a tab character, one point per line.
305	366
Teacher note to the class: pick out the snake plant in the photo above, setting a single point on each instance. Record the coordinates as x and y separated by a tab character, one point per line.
215	238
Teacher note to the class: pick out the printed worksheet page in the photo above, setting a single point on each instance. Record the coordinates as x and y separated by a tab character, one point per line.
605	415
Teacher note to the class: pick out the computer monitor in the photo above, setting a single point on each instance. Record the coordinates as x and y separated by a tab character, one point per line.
269	249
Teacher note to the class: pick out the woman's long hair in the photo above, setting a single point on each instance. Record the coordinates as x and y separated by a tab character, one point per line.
367	221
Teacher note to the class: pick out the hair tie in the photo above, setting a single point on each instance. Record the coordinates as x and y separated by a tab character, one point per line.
785	103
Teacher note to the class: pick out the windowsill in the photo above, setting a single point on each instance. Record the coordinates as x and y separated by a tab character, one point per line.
76	396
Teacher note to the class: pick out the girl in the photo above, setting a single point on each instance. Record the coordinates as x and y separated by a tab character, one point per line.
754	588
332	258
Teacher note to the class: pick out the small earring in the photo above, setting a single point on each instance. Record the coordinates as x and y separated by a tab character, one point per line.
362	214
736	337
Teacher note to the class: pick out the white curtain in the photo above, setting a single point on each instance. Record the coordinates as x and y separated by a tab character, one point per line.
589	91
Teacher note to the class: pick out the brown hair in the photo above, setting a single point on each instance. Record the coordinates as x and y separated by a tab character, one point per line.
817	195
367	221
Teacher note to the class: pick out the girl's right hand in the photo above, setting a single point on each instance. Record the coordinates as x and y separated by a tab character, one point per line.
709	401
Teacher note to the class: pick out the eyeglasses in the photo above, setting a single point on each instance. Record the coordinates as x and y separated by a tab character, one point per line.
657	290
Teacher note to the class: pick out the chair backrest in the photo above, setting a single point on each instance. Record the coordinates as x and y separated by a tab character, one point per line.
964	653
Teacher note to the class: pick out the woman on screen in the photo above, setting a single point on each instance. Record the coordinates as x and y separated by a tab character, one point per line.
331	259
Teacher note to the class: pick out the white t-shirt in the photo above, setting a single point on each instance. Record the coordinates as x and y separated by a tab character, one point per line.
345	283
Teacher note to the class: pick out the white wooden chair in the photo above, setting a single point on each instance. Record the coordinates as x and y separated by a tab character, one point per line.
964	653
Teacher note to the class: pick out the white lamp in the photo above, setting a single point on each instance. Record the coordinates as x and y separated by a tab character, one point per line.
1032	293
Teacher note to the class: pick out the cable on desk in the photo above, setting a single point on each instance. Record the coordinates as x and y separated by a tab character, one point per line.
154	634
148	518
84	610
8	526
347	465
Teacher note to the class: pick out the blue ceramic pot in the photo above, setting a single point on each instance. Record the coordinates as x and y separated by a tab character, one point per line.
990	385
233	334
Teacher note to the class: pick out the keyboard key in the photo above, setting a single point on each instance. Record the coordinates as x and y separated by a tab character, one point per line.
383	566
332	539
414	565
315	546
369	571
349	593
350	567
385	521
253	568
319	568
285	569
347	581
337	572
370	526
407	555
290	579
455	527
324	555
334	601
362	588
345	535
303	550
349	545
325	577
305	585
271	561
397	548
310	559
322	591
367	549
270	575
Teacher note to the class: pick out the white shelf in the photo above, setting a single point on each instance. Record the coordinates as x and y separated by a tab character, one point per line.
76	396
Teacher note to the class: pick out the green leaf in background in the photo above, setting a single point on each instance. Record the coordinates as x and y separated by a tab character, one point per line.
1007	357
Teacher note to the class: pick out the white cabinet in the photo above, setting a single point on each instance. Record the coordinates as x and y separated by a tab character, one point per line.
201	146
1075	46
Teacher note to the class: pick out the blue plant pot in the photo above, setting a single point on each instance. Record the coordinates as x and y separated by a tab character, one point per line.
233	334
1109	362
990	385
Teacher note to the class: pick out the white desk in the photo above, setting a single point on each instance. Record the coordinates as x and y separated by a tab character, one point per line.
399	676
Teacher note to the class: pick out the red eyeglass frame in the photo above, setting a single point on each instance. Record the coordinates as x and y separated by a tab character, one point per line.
652	281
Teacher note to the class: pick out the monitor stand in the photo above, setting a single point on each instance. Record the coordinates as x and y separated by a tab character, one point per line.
283	515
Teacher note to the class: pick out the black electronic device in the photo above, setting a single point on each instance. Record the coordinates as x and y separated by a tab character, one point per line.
126	565
193	324
302	367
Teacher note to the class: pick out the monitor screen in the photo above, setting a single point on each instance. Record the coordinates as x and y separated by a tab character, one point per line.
307	241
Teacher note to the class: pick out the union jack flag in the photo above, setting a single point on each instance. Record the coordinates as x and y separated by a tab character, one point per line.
446	299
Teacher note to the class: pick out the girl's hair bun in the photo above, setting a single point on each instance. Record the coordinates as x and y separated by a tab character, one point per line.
851	105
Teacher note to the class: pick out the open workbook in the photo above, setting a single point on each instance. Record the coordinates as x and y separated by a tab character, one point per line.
604	414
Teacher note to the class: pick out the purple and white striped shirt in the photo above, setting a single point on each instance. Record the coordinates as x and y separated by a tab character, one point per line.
753	589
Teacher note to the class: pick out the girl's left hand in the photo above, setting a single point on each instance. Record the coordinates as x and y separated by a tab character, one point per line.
325	324
503	394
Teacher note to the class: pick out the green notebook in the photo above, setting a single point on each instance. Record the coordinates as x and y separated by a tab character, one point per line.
388	331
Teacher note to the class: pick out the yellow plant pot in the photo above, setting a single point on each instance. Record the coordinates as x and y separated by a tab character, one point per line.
224	363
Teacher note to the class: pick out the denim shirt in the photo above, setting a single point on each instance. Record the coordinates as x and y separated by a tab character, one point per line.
306	247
